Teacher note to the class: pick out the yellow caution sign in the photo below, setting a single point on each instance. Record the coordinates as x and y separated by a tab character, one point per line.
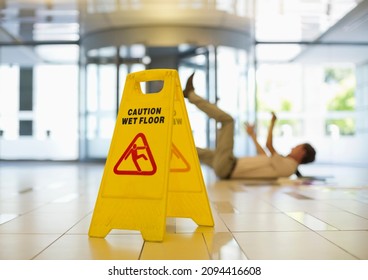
152	169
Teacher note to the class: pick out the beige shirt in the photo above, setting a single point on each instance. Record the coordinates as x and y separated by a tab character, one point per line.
264	166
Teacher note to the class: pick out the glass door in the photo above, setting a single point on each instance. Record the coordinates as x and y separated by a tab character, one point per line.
221	78
39	103
101	108
198	60
105	75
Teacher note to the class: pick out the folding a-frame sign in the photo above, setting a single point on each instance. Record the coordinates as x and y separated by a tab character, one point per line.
152	169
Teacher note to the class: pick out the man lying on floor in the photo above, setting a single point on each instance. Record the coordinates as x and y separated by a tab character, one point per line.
222	159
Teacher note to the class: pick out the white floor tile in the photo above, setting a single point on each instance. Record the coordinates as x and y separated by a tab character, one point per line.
251	205
288	246
7	217
354	242
261	222
177	247
81	247
309	206
41	223
24	246
310	221
223	246
342	220
352	206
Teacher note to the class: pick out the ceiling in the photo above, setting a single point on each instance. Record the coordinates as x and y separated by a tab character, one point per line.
327	29
346	41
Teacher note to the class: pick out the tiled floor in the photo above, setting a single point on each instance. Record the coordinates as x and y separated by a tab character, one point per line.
46	209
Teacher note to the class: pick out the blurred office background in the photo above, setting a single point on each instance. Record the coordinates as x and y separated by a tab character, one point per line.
63	65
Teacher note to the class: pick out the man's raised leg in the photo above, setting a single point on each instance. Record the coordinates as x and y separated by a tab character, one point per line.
223	158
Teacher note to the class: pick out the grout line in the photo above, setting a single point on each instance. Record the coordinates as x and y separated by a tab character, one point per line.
63	234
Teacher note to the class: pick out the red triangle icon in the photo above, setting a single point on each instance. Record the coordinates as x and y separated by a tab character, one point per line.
178	161
137	158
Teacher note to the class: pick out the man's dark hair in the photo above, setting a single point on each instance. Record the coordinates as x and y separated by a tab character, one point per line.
310	153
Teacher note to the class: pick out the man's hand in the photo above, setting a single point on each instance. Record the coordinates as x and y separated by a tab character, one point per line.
249	129
274	117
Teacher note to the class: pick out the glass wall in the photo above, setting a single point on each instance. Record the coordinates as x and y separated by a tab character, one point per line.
316	103
311	59
39	102
232	92
105	71
199	63
101	107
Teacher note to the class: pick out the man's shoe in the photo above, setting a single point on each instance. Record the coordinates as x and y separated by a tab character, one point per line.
189	86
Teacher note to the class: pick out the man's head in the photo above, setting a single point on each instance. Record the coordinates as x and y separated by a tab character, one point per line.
303	153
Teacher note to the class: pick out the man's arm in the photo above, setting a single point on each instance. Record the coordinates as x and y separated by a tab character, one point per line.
269	143
250	130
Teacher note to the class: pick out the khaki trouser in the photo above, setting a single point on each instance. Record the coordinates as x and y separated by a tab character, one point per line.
221	159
